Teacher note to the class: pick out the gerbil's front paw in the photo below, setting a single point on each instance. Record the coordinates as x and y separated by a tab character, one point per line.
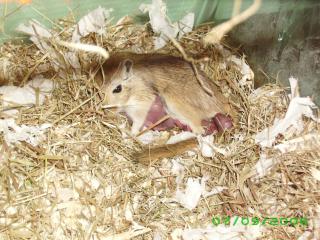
136	127
198	130
135	130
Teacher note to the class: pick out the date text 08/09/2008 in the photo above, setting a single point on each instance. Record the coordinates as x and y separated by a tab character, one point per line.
266	221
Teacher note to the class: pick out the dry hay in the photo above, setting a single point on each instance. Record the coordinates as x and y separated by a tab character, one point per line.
81	181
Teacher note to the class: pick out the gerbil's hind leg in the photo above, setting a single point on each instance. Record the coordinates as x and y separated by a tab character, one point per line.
186	115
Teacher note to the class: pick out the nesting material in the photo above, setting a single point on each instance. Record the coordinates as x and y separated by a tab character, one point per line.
81	181
34	93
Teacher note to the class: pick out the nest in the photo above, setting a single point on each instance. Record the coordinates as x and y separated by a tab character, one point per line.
81	180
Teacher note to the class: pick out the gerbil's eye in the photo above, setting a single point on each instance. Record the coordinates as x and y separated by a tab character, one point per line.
117	89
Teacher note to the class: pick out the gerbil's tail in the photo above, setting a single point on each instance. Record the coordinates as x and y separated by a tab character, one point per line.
151	155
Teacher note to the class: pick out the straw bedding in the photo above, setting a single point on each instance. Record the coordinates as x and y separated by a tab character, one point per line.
81	181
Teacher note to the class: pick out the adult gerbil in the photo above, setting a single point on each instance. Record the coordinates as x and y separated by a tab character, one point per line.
133	82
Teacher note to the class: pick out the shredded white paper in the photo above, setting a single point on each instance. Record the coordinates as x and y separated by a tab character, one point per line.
298	107
190	197
93	22
180	137
303	143
263	166
315	173
14	133
207	147
149	137
161	24
294	88
37	32
247	73
34	92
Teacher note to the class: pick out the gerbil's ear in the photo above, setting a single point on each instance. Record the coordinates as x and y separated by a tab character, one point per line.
127	68
128	65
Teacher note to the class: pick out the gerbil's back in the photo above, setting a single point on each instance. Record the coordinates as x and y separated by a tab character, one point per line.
175	78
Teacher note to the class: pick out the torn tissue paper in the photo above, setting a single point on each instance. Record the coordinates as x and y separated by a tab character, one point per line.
93	22
298	107
34	92
180	137
304	143
247	73
14	133
190	197
162	25
207	147
263	166
37	34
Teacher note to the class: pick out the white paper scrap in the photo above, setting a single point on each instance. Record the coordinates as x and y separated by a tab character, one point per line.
37	33
207	147
190	197
34	92
94	21
294	88
180	137
263	166
247	73
161	24
14	133
298	107
303	143
315	173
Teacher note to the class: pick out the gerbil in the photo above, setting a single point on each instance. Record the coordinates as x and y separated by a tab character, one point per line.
135	80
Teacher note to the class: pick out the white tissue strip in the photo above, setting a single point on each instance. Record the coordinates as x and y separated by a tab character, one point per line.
14	133
94	21
185	24
190	197
304	143
298	107
207	147
149	137
181	137
315	173
294	87
247	73
37	33
224	232
35	91
162	25
263	166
